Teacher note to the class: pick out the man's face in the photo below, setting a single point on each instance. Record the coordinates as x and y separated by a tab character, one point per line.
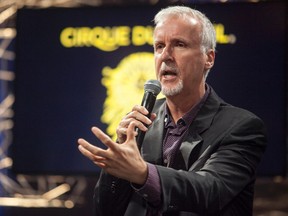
179	61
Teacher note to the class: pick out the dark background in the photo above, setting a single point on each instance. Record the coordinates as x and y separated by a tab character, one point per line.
59	94
57	90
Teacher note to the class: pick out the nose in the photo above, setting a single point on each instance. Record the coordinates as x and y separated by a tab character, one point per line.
167	54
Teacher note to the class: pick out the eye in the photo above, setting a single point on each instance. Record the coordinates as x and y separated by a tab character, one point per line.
180	44
158	46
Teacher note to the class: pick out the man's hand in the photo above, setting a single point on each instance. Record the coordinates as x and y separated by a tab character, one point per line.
138	116
120	160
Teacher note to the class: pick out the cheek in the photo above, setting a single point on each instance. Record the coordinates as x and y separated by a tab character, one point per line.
195	63
191	69
157	64
186	66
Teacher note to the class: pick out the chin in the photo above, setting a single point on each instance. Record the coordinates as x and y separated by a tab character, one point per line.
172	91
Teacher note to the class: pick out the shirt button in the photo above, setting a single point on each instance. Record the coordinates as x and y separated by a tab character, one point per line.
113	186
172	207
145	196
165	161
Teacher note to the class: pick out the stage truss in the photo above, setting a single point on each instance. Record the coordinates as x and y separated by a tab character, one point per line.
27	190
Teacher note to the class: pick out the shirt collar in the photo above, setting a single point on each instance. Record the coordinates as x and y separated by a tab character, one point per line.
190	115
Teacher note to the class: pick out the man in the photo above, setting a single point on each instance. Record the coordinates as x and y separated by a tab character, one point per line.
200	154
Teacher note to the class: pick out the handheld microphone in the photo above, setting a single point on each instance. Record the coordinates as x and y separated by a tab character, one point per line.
151	89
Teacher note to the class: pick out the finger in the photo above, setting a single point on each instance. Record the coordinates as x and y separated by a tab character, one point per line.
121	134
99	161
131	133
101	165
140	109
141	117
88	153
85	152
94	151
121	131
153	116
87	147
104	138
126	120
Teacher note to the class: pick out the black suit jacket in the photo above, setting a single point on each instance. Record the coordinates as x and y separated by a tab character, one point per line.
214	169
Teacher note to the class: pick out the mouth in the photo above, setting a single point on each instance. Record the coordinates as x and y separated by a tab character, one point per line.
168	74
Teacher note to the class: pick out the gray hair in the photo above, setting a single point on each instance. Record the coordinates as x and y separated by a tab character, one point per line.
208	35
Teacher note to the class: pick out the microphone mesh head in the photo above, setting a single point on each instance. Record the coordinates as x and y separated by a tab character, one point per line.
153	86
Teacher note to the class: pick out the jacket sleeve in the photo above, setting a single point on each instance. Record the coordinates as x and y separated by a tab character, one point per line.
223	172
111	195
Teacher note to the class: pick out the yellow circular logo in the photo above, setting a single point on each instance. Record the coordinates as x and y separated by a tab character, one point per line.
125	87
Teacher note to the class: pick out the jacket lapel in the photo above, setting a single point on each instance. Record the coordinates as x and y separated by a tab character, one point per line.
189	147
193	148
152	143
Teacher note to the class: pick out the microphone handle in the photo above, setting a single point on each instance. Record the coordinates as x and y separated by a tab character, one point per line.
148	102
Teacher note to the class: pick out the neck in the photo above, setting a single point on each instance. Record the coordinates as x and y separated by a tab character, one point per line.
180	104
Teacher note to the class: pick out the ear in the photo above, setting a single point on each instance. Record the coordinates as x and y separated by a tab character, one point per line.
210	58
